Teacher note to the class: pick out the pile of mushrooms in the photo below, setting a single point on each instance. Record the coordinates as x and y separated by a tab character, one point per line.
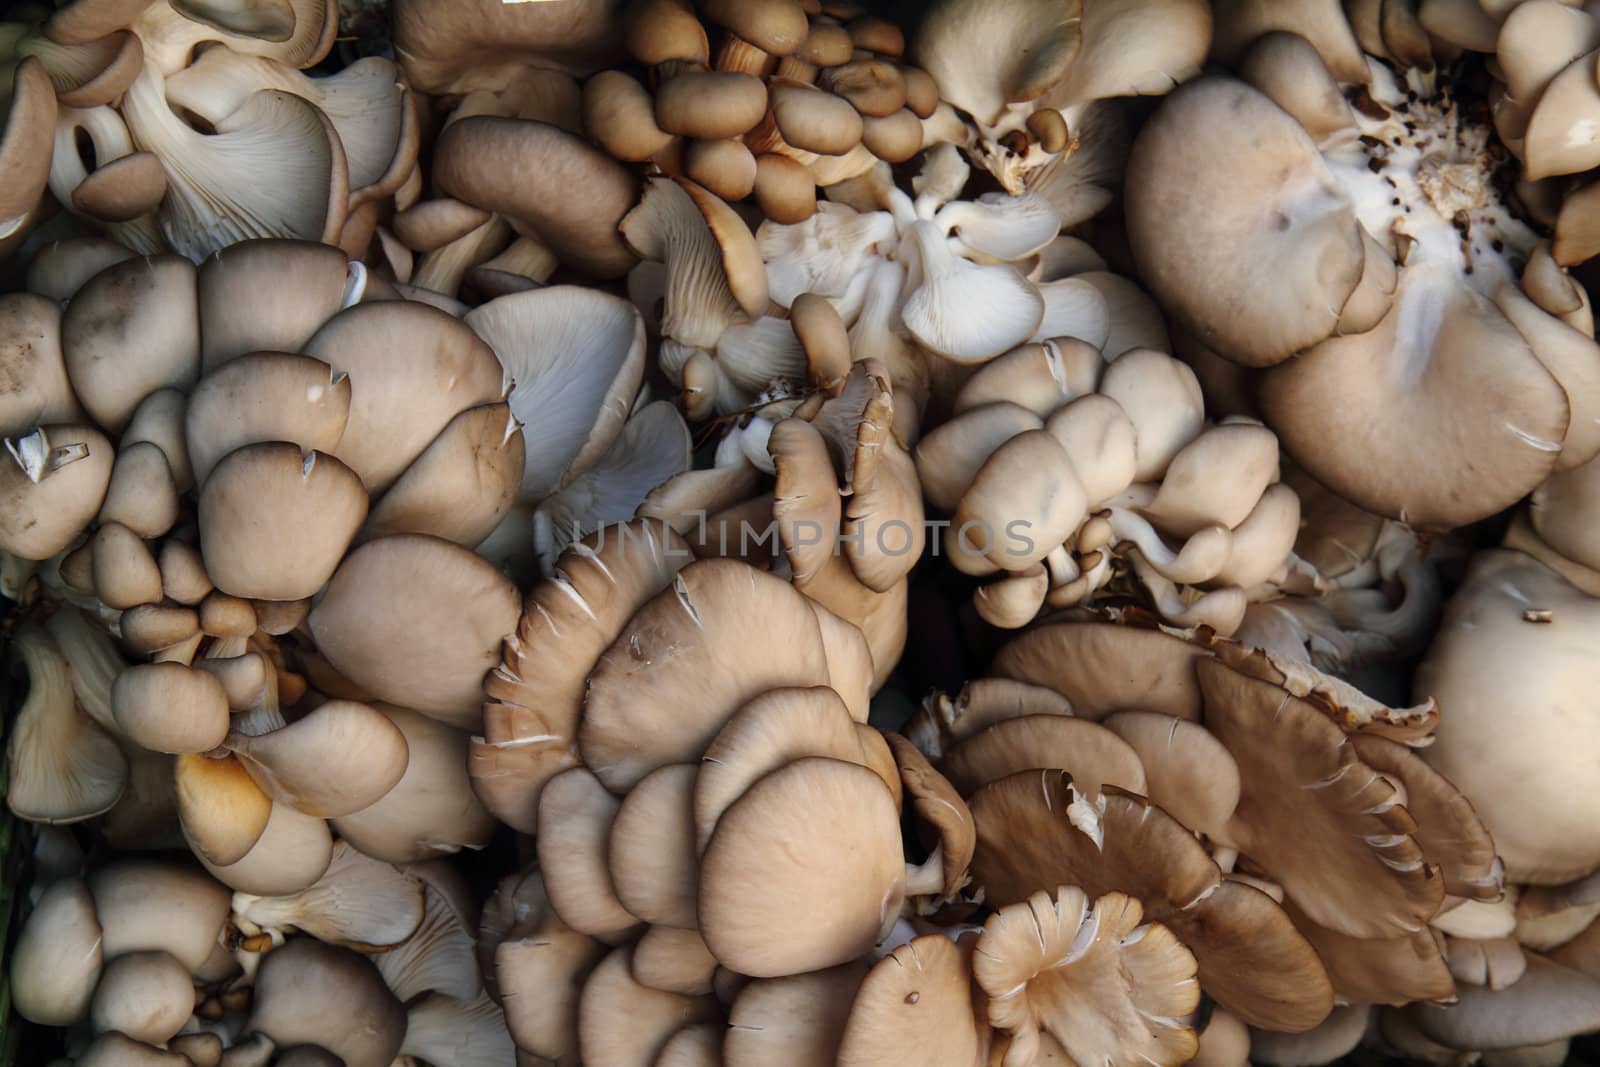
190	126
655	532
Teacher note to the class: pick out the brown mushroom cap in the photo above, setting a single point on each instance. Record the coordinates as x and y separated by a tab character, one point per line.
1102	669
793	1020
144	904
710	104
575	819
25	145
1092	754
625	1023
917	1003
30	356
417	621
275	521
266	296
651	851
480	42
55	963
264	396
52	484
310	993
776	894
528	171
676	652
146	995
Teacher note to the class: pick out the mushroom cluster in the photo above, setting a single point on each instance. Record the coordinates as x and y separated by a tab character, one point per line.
868	595
781	97
1345	236
152	963
188	126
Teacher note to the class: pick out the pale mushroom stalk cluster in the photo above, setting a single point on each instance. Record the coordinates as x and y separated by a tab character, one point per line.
685	533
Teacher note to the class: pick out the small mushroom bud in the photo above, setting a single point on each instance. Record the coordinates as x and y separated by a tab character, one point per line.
149	628
142	495
1049	129
183	573
784	189
725	167
712	105
222	615
620	114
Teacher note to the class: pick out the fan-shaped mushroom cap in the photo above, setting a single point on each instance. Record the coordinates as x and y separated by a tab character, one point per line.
770	731
915	1002
222	811
264	396
1102	669
1547	1003
1191	775
310	993
698	1045
1297	771
1105	987
145	995
266	296
431	809
147	905
651	849
418	621
1306	252
1092	754
792	1020
624	1023
61	766
1390	970
540	975
713	605
575	358
142	494
1034	829
292	852
275	521
771	868
412	369
1515	622
481	44
674	960
576	815
339	759
523	170
55	963
132	329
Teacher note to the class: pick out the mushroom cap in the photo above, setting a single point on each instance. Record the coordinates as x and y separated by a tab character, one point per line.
25	144
148	905
651	850
1035	829
1101	669
530	171
315	994
168	707
793	1020
1390	970
1092	754
432	808
576	815
1488	650
275	521
30	357
620	114
1263	186
359	902
1189	773
540	976
770	731
1548	1002
266	296
119	1050
1107	988
674	960
55	964
712	607
417	621
936	802
777	895
293	851
916	1002
222	811
412	369
339	759
1450	376
478	43
697	1045
132	329
264	396
146	995
625	1023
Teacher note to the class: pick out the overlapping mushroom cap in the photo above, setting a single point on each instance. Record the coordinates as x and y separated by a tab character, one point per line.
1179	767
1067	474
1421	353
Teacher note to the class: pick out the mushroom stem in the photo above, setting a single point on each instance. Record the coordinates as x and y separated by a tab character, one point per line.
926	879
